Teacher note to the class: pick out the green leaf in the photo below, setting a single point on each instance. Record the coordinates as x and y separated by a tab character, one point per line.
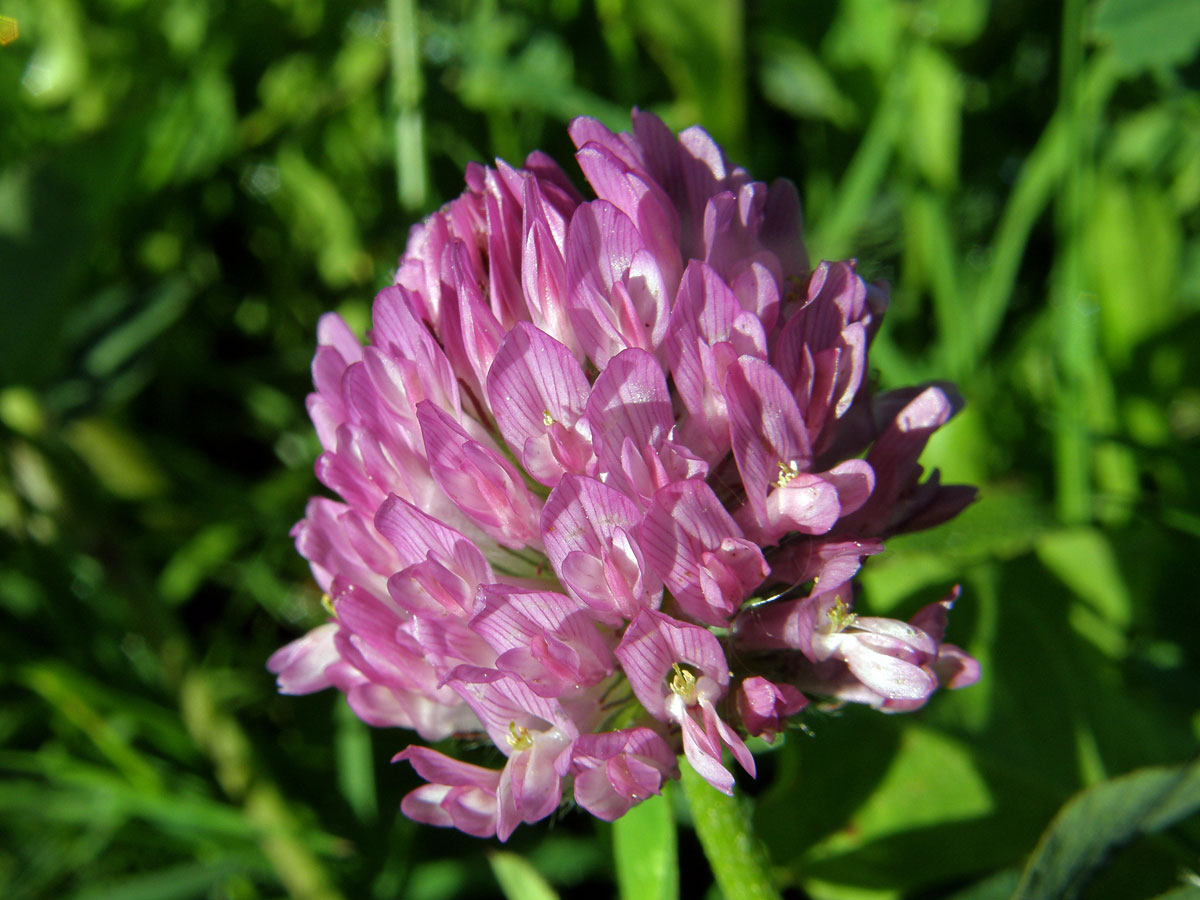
355	765
794	79
935	95
518	879
1183	892
1148	33
1101	819
953	21
1084	559
921	822
195	561
995	887
1134	270
644	845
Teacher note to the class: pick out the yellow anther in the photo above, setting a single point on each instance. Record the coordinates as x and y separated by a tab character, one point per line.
518	737
327	602
840	616
787	471
547	419
683	683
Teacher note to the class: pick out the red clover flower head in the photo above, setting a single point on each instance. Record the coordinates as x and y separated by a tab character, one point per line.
607	468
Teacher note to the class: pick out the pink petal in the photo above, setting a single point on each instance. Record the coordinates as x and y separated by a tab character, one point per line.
766	430
301	666
653	643
478	480
685	522
532	378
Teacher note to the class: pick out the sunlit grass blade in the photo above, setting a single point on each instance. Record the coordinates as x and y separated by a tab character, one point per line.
518	879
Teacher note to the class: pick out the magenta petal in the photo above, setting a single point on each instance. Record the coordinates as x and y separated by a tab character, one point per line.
729	738
301	665
767	433
332	331
641	199
534	383
685	522
653	643
415	535
806	503
629	401
703	752
530	787
459	795
618	296
569	413
764	707
478	480
437	768
584	523
955	668
399	331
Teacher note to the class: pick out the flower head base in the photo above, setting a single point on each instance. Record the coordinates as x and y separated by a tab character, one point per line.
585	441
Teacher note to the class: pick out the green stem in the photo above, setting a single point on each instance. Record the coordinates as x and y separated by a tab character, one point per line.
832	238
411	176
738	860
1075	328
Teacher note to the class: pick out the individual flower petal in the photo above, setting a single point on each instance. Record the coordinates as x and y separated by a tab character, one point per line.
587	529
765	706
618	298
478	480
696	548
459	795
301	665
537	391
616	770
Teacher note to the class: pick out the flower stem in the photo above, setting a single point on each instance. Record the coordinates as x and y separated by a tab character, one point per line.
739	861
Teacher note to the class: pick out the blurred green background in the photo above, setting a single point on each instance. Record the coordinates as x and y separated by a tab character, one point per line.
185	185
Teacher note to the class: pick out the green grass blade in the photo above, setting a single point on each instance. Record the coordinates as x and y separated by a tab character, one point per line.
518	879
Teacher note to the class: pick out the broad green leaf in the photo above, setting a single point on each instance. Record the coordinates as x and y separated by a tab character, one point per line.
1184	892
953	21
1101	819
1148	33
1003	523
1134	270
1084	559
795	80
931	794
644	846
866	32
518	879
